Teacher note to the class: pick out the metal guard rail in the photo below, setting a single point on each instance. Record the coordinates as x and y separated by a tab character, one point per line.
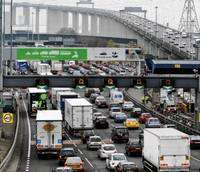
180	125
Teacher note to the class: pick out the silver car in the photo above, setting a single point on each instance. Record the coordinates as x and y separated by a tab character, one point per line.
94	142
106	150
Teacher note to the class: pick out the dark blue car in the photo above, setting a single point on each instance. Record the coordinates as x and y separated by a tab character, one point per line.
120	118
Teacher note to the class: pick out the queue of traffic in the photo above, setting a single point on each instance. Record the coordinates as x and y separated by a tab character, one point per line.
161	147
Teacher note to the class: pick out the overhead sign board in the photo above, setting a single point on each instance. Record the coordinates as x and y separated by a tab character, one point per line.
106	54
52	54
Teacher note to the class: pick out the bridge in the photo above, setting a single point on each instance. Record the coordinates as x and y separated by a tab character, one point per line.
99	22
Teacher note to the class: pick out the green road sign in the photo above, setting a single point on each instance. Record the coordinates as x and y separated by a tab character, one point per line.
52	54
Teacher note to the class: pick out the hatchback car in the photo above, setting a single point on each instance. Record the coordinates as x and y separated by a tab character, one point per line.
64	154
127	106
127	167
153	123
132	123
133	147
76	163
143	117
86	135
94	142
101	122
101	101
93	97
119	134
114	159
106	150
120	118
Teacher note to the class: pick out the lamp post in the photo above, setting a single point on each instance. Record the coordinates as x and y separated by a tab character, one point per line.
11	35
156	17
32	25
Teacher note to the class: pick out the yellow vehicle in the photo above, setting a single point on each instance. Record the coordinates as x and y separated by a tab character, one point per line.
132	123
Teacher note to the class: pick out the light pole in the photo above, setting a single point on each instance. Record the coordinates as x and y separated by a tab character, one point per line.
156	17
11	35
32	25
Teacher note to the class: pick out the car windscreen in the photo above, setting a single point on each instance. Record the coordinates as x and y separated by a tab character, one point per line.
119	157
73	160
109	148
154	121
67	152
95	139
116	110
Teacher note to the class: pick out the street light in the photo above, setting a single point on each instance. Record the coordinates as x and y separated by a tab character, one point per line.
32	25
11	35
156	17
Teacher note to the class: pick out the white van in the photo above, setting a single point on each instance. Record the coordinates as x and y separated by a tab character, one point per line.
116	96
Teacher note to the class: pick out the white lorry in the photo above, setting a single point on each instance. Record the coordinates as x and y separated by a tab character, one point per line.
166	149
54	93
78	115
48	132
44	69
56	66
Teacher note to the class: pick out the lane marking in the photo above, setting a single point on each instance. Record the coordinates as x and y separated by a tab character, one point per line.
195	158
80	152
89	162
29	136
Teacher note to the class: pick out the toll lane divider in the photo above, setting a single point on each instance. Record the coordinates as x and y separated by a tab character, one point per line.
8	157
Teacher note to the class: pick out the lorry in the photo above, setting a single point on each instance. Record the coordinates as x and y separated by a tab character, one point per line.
22	66
166	149
44	69
54	93
61	96
48	132
37	100
56	66
78	115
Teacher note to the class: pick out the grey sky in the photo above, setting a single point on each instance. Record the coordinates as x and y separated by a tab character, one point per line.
168	10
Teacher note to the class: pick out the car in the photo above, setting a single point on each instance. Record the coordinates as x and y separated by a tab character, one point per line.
122	72
114	111
153	123
94	142
101	122
133	147
114	159
131	123
194	141
65	153
76	163
119	134
93	97
86	135
106	150
143	117
120	118
96	114
63	169
141	137
136	112
101	101
127	106
126	167
89	91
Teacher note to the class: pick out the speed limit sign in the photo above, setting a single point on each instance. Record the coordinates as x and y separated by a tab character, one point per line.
8	118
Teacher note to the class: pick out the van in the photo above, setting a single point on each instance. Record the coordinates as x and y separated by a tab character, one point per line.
116	96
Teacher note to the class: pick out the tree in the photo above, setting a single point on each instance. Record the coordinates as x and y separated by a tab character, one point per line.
67	31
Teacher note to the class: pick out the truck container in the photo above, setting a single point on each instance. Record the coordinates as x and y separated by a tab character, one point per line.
61	96
22	66
54	93
33	66
48	132
78	115
56	66
44	69
166	149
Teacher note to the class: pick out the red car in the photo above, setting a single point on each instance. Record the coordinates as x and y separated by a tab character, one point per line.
144	117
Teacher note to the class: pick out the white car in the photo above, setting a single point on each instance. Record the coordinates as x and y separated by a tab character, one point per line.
114	111
94	142
127	105
114	159
106	150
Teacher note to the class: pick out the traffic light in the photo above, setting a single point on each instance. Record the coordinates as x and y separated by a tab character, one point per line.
42	82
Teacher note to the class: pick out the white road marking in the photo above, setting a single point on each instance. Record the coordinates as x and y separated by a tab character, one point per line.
89	162
195	158
29	136
80	152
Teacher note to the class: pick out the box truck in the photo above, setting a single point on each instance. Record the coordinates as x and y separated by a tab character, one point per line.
78	115
61	96
56	66
54	93
166	149
44	69
48	132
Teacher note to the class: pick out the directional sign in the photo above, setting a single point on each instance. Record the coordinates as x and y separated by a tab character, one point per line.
8	118
52	54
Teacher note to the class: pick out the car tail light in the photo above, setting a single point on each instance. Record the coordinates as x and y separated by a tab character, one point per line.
161	158
186	165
